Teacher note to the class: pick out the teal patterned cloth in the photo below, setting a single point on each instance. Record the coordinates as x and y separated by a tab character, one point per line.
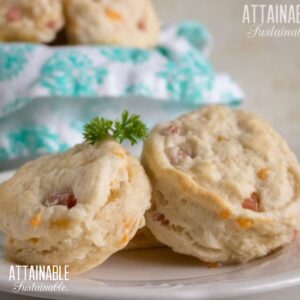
38	82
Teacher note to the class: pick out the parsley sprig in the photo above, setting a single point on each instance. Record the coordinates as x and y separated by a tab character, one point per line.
130	127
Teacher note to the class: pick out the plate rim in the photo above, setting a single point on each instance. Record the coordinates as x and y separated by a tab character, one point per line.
211	290
83	288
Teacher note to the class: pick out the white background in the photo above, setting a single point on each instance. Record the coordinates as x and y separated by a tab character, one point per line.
268	69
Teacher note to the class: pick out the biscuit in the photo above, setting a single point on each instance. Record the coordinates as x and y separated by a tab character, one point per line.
226	186
30	20
129	23
76	208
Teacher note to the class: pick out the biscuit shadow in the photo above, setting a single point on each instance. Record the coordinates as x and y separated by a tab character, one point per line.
163	257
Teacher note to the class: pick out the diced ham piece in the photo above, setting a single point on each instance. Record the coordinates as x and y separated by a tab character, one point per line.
252	202
141	25
13	14
158	217
177	156
181	154
51	24
67	199
172	129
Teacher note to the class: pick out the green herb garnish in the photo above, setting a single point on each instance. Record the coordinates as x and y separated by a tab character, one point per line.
130	127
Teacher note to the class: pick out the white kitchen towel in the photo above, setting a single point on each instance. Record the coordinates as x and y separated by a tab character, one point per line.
176	71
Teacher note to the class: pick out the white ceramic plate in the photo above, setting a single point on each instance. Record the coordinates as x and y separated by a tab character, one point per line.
162	274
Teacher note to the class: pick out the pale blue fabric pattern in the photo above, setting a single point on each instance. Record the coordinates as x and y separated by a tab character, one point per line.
191	65
31	140
13	60
48	93
192	32
123	55
71	73
139	89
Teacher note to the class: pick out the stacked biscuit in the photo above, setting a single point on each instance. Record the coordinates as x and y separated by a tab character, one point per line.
225	189
114	22
30	20
75	208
